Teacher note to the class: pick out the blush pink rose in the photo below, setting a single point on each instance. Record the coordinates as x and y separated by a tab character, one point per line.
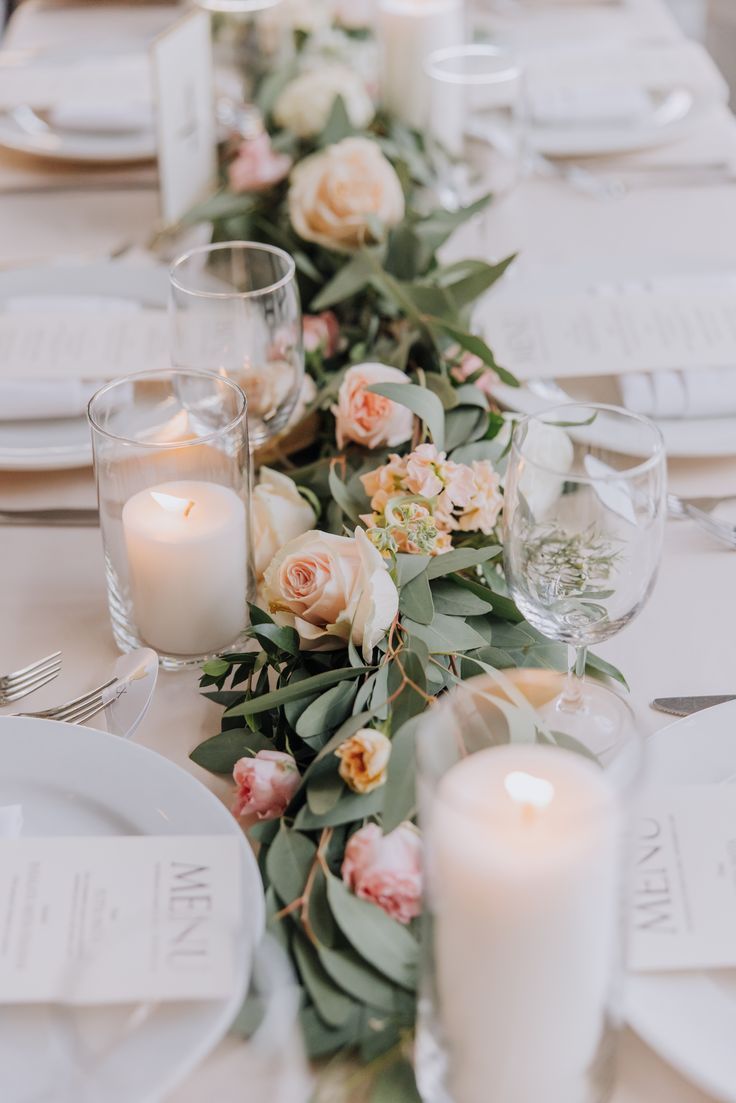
321	333
265	784
470	365
370	419
386	869
257	165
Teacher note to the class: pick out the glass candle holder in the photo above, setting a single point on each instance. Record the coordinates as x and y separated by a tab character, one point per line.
474	120
523	921
235	310
172	466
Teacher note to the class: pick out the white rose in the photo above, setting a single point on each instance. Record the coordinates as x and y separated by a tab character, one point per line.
279	514
329	588
305	104
370	419
335	194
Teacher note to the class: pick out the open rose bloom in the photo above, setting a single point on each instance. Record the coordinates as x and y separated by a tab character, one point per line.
370	419
386	869
330	589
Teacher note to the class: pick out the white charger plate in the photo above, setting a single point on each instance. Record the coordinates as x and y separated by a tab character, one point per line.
63	443
76	781
671	112
689	1018
26	131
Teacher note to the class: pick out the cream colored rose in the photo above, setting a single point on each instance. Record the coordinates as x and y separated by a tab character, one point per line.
335	194
305	104
364	760
279	514
370	419
329	588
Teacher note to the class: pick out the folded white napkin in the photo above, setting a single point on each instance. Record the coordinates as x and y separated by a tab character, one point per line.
708	392
85	117
11	821
582	104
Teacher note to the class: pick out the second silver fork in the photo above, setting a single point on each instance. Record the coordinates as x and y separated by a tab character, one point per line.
80	709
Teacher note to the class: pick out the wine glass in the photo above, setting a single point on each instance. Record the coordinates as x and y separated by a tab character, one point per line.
584	513
235	311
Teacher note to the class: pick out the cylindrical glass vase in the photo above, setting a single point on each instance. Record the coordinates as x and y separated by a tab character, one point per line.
172	466
523	923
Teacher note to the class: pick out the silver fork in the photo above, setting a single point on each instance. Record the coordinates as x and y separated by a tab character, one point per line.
22	682
699	511
80	709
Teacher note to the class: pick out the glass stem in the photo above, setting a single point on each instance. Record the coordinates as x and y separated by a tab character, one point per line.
572	693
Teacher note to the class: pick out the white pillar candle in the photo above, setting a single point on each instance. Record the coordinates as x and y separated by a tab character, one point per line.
524	874
186	549
408	31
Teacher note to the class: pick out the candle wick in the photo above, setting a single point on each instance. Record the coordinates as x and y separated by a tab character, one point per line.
189	508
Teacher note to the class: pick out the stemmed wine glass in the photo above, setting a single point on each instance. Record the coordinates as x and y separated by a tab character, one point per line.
235	310
584	513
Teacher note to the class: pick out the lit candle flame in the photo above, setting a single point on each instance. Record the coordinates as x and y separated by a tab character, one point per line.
171	504
534	794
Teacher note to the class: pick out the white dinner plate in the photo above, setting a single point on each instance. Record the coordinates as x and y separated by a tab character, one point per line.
671	111
689	1018
63	443
683	437
76	781
26	130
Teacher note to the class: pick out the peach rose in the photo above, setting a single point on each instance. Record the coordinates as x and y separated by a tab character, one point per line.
386	869
370	419
330	588
279	514
336	194
257	165
364	759
321	333
266	784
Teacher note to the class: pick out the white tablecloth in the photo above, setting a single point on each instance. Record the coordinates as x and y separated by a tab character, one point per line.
53	595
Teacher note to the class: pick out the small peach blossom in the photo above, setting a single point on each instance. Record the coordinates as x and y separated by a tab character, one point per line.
364	760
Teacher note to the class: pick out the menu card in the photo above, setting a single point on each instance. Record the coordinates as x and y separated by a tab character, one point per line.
683	886
588	333
118	919
71	343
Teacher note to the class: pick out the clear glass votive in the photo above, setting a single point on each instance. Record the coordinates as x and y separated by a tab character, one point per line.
524	842
235	310
172	466
474	121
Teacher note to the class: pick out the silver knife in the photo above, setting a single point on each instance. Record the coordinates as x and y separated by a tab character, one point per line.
51	518
686	706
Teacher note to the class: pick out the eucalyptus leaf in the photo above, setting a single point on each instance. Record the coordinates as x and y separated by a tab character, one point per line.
409	566
460	559
296	690
456	601
332	1004
445	635
385	943
340	493
289	860
395	1083
465	424
399	801
220	753
320	1039
357	978
327	712
324	792
350	807
348	281
467	280
415	600
321	920
421	401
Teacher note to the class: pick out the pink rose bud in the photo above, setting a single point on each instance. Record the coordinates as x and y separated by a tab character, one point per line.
265	784
257	165
386	869
321	333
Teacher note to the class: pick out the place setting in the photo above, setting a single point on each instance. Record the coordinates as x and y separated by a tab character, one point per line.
366	699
